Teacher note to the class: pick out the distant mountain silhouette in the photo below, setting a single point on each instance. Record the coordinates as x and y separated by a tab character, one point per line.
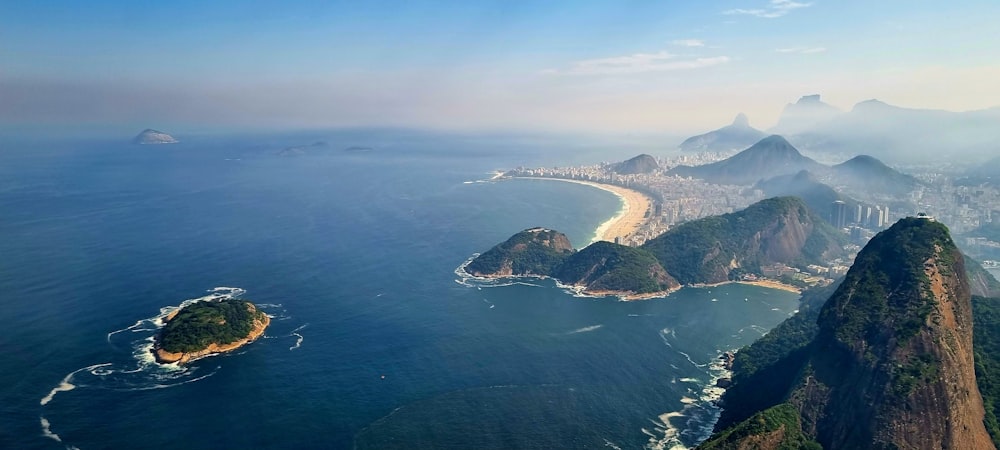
768	158
804	115
890	132
988	172
866	173
640	164
816	195
731	137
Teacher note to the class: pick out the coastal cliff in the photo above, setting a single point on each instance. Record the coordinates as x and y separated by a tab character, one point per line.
208	328
888	364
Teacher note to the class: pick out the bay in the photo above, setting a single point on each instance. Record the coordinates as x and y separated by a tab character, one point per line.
376	342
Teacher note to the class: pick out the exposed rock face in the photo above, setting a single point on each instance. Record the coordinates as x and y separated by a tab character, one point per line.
768	158
640	164
738	135
891	365
150	136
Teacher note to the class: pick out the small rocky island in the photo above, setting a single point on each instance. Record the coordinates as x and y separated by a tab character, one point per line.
207	328
151	136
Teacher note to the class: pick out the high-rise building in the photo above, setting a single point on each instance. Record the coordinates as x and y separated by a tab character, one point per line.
838	214
857	214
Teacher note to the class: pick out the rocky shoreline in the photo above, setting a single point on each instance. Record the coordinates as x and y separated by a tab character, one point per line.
164	357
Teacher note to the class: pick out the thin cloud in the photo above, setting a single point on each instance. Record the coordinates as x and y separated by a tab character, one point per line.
639	63
689	43
774	9
801	50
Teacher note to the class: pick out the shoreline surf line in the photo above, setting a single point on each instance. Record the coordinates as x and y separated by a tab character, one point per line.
628	220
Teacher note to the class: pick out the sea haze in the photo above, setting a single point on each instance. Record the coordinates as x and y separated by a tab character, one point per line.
376	341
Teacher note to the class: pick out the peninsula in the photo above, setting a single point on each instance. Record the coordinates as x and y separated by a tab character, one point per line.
718	249
207	328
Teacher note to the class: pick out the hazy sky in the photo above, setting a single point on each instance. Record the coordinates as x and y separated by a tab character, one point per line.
549	65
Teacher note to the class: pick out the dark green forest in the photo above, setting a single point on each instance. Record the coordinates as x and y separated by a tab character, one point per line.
609	266
200	324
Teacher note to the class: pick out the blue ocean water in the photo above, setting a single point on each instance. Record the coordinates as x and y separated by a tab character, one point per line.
376	342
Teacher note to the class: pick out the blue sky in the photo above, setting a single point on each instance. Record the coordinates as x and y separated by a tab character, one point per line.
545	65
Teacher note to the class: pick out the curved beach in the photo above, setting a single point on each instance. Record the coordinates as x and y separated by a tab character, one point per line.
628	220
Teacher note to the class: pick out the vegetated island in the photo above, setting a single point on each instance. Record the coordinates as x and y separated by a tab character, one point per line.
207	328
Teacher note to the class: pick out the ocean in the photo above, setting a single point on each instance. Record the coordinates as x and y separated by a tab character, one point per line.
376	340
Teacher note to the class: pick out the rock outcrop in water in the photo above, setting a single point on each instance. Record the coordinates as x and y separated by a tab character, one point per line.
891	363
151	136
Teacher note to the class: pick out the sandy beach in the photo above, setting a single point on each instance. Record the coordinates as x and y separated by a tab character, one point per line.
772	284
631	217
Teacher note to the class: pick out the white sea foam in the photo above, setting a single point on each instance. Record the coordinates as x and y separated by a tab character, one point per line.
608	443
585	329
67	383
47	430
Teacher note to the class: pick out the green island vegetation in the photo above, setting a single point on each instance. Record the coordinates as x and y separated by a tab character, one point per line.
201	324
612	267
535	251
701	251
